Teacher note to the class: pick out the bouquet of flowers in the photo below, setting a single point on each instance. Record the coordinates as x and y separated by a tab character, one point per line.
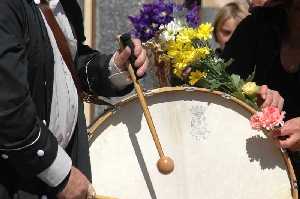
177	40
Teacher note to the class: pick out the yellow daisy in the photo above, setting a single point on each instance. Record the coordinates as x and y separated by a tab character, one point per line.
204	31
196	76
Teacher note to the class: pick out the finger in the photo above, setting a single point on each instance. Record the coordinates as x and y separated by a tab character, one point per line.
140	59
263	91
275	134
122	57
275	99
280	104
287	143
142	70
268	99
137	47
285	130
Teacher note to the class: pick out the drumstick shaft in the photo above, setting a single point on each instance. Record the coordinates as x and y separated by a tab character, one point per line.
104	197
147	114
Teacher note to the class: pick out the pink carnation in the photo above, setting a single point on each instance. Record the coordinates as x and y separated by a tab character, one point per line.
269	118
255	121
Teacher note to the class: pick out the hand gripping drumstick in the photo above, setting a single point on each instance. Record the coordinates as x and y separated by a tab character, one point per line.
165	164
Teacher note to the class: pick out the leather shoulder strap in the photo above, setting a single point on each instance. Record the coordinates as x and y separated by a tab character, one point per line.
66	54
61	43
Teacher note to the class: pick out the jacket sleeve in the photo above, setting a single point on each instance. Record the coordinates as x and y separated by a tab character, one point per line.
95	73
241	48
25	142
92	65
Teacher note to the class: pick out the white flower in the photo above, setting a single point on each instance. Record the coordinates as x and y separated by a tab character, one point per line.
170	30
217	60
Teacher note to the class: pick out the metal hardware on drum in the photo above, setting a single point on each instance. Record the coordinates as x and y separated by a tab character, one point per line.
165	164
115	109
190	89
295	184
226	96
99	100
149	93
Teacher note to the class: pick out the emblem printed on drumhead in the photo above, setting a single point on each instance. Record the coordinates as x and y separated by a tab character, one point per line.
198	122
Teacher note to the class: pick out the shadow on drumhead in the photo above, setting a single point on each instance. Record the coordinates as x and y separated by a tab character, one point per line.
261	149
133	123
142	164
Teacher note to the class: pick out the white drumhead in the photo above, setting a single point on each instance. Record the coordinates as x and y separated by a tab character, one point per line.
216	153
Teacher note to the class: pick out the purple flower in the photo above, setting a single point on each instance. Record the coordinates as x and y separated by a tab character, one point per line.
178	7
151	17
193	16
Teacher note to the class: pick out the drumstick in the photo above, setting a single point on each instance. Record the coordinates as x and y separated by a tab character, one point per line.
165	164
104	197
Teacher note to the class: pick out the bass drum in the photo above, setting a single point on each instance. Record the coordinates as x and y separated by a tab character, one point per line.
208	135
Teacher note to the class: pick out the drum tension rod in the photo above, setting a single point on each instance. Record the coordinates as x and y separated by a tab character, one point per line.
165	164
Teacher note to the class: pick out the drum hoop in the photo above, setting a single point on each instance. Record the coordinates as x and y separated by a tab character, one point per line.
109	113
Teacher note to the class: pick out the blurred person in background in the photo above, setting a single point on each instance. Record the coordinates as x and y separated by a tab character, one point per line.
254	3
226	22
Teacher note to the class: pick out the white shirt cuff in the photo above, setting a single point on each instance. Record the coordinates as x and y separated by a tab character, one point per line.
58	170
119	79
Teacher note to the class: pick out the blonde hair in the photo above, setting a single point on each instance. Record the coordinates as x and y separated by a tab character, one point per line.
235	10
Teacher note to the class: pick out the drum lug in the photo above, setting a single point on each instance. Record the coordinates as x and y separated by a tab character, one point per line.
115	109
295	185
226	96
149	92
190	89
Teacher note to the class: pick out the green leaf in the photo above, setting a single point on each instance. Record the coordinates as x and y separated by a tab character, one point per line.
235	80
213	84
228	63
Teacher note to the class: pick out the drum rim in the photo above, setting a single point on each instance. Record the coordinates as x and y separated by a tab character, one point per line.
109	113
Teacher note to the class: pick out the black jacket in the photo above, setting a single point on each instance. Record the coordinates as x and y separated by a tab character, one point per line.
26	81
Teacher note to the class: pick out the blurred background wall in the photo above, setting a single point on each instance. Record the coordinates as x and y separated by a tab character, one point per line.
111	20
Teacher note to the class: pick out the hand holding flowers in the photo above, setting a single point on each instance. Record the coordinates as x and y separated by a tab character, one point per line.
271	116
286	134
270	120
